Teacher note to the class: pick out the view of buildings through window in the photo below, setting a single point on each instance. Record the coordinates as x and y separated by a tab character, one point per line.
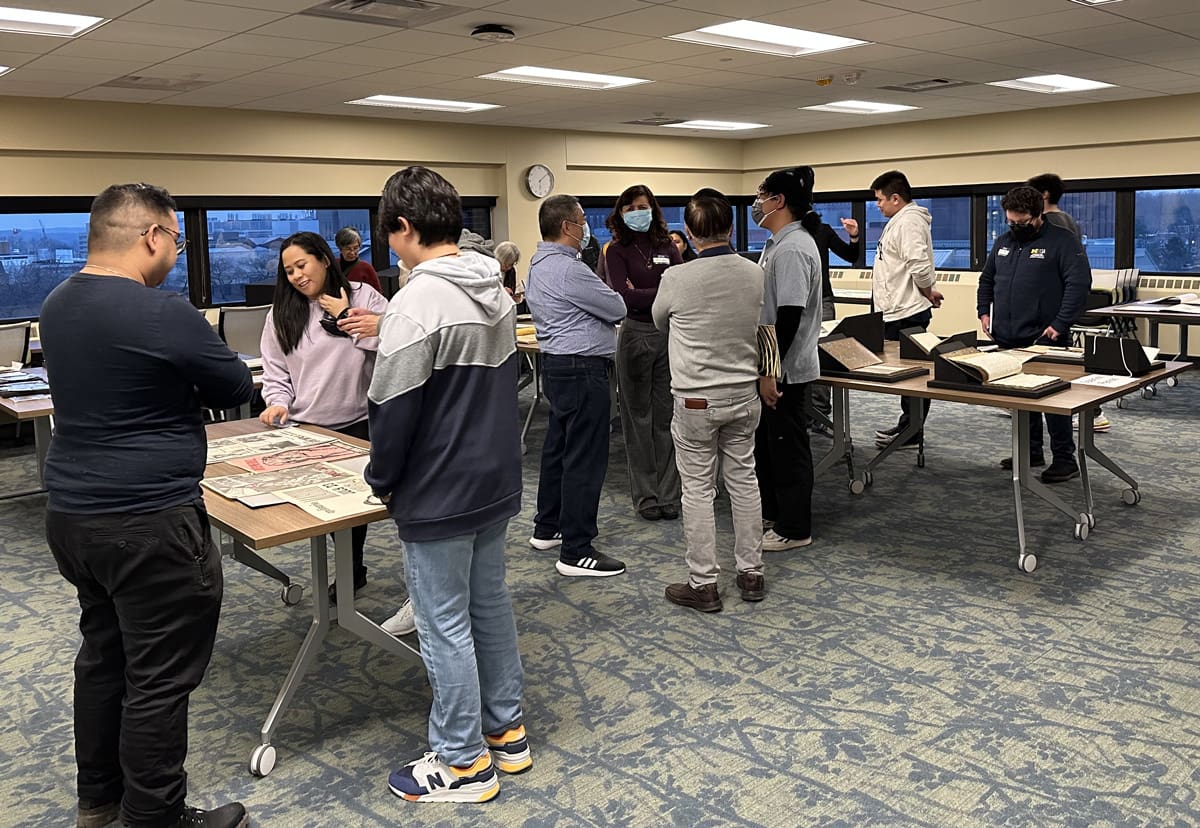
951	231
1166	231
1095	213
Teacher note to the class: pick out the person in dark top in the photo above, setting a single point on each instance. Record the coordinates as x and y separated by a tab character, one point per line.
1051	188
130	368
1032	288
635	260
683	245
349	244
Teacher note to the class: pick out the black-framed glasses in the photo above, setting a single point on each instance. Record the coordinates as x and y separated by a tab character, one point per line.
177	235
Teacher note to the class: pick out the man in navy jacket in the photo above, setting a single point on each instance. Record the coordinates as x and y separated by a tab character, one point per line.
1032	289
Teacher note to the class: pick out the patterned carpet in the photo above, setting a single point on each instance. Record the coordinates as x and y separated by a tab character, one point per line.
901	670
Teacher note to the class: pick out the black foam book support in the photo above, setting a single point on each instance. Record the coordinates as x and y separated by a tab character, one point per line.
947	374
867	328
911	350
1116	355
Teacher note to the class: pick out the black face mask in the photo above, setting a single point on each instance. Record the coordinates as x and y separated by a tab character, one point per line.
1022	232
329	323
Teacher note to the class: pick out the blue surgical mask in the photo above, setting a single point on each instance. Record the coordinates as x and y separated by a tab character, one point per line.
638	220
587	233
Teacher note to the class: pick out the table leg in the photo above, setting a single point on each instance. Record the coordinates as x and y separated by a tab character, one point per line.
1153	325
915	426
842	446
1026	561
537	397
1086	420
42	431
1088	448
348	617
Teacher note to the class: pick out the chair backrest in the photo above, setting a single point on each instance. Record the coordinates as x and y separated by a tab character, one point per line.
241	327
14	343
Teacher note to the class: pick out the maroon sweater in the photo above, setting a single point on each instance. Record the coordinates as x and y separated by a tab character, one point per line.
642	264
361	271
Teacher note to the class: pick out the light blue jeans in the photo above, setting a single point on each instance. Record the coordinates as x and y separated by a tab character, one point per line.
468	639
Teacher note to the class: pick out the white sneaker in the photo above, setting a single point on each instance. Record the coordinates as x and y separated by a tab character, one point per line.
546	543
403	622
775	542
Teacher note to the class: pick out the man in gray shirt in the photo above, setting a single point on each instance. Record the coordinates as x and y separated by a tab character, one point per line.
575	315
792	305
710	308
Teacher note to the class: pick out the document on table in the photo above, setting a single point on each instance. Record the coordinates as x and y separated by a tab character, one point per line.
262	442
242	486
1105	380
302	456
334	499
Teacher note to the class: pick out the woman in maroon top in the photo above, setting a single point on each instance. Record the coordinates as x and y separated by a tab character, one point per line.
349	243
635	260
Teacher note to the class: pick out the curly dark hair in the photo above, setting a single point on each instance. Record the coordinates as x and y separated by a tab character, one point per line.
658	232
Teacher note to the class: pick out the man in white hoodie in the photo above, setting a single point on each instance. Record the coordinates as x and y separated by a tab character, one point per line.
902	282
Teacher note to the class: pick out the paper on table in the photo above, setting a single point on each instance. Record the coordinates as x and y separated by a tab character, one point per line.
1025	381
333	500
1105	380
238	486
262	442
302	456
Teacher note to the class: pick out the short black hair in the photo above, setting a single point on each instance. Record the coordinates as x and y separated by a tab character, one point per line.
118	212
1023	199
1048	183
893	182
426	201
795	184
553	212
709	218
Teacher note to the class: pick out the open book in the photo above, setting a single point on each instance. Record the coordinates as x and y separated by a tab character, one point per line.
852	355
1000	369
926	341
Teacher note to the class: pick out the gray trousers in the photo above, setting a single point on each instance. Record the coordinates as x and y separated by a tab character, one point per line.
723	432
822	396
644	379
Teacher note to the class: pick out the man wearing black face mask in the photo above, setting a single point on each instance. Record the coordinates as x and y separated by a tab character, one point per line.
1032	289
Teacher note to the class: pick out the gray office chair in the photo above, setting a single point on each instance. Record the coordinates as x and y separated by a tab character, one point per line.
241	327
14	343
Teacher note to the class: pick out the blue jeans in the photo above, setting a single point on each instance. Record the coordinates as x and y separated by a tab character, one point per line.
575	455
468	639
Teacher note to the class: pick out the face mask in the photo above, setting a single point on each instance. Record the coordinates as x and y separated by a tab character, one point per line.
756	211
1022	232
638	220
587	234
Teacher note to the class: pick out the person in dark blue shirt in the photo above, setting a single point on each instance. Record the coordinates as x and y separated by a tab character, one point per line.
130	368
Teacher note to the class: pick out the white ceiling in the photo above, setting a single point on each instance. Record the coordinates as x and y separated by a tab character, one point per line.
260	54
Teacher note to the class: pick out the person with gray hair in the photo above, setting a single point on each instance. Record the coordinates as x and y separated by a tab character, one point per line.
508	254
575	315
131	368
349	244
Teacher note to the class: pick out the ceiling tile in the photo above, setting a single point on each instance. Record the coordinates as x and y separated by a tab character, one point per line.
423	43
104	93
658	21
211	57
462	24
202	15
154	34
562	12
255	44
305	27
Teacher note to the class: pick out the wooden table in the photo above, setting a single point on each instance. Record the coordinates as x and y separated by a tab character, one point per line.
254	530
39	411
1078	399
852	297
1129	310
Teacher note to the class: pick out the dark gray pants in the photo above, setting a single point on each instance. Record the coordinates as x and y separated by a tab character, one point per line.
644	379
822	395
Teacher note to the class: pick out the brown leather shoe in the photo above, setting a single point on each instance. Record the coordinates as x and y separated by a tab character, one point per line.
92	815
704	599
751	586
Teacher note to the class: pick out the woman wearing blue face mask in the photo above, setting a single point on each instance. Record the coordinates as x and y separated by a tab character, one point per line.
641	250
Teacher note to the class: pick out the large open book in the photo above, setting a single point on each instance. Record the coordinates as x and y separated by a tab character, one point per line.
1001	369
845	355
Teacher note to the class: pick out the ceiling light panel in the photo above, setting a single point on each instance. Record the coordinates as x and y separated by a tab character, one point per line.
46	23
716	126
1052	84
860	107
426	104
765	38
561	77
1094	2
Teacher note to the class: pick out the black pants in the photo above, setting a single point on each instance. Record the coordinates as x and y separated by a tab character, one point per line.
150	589
575	455
358	535
783	462
1062	439
891	330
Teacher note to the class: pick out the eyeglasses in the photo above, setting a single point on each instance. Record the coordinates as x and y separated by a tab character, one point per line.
177	235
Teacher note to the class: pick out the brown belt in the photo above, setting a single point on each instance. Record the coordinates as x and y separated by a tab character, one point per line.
692	402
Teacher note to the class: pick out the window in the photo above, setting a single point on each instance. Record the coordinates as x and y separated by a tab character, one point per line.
1166	231
832	212
477	219
243	245
1095	213
951	230
39	250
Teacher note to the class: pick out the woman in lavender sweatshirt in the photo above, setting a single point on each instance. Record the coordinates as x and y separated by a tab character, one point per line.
314	370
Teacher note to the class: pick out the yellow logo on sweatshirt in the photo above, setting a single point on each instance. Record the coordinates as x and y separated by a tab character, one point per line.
1037	252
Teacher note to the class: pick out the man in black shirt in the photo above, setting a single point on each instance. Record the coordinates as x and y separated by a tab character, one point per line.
130	368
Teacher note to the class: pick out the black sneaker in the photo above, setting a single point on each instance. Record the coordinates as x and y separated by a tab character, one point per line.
651	513
669	512
360	581
911	443
232	815
97	815
595	565
821	430
888	434
1034	460
545	542
1060	471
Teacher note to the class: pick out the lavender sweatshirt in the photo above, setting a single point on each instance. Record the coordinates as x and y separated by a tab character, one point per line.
324	380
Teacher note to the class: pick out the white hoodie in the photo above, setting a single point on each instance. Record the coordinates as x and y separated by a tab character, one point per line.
903	264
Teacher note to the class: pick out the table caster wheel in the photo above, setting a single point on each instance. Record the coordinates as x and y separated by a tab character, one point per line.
1172	382
1081	529
1091	521
921	459
262	760
291	594
857	486
1131	497
868	478
1027	562
1147	392
1121	403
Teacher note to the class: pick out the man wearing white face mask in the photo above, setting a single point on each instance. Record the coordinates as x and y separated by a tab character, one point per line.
575	315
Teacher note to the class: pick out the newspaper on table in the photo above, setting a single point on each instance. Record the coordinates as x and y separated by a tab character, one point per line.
242	486
225	449
1106	380
298	456
334	499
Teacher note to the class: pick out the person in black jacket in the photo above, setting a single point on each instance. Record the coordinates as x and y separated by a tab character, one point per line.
1032	289
827	239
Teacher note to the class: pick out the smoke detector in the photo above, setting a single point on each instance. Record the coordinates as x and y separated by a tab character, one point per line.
851	78
494	33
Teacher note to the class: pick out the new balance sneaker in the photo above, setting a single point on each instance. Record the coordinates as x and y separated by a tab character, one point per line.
595	565
888	434
1101	424
232	815
546	543
775	542
510	750
429	779
705	598
403	622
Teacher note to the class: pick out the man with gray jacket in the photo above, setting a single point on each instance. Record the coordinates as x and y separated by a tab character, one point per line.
710	309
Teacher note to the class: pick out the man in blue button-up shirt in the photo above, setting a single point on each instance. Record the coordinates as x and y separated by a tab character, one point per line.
575	315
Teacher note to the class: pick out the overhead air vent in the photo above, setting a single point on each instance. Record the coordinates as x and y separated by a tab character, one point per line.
655	122
397	14
928	85
188	84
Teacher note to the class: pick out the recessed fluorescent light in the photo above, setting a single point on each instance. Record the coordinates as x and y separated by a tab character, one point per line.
429	104
52	24
719	126
859	107
751	36
4	69
1052	84
561	77
1094	2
